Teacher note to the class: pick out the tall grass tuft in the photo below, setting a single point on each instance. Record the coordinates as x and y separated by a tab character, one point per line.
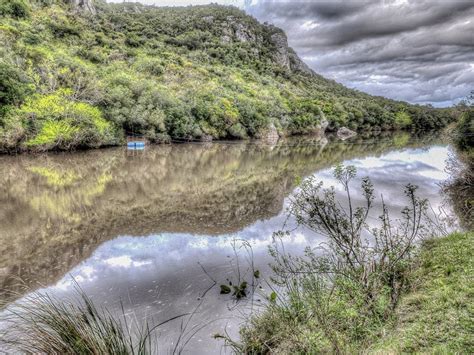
41	324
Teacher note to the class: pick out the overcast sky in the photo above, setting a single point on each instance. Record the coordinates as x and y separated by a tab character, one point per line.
421	51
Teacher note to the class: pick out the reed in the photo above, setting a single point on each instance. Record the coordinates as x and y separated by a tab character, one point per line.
46	325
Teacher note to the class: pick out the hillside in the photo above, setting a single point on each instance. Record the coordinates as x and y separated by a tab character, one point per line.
79	73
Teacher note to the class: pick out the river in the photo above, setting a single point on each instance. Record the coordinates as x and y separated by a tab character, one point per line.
152	231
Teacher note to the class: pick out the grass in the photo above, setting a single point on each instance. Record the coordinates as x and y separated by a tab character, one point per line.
434	316
45	325
437	316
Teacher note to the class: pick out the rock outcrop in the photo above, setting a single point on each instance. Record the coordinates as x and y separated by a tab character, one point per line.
233	30
270	135
297	65
322	126
281	55
345	133
83	5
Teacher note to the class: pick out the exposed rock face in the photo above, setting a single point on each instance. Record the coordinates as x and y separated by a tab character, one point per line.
281	55
206	138
296	64
235	30
345	133
83	5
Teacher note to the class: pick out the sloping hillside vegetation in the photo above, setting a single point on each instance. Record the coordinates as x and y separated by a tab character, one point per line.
75	76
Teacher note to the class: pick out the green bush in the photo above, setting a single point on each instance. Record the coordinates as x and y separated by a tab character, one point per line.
151	66
14	87
55	121
14	8
137	106
403	119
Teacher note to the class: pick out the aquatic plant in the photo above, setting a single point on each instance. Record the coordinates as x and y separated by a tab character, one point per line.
43	324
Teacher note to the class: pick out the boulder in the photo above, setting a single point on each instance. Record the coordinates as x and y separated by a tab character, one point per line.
206	138
270	135
345	133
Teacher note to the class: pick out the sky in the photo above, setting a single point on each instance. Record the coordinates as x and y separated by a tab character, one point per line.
420	51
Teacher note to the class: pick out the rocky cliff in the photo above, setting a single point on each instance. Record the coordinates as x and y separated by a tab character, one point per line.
86	6
235	31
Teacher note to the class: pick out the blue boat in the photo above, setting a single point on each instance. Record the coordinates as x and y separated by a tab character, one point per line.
136	145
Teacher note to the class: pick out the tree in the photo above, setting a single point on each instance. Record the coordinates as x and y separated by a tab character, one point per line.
14	87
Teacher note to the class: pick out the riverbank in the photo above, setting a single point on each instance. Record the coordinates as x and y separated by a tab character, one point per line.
434	316
437	315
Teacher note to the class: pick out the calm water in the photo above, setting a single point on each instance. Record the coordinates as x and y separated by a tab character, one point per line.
154	231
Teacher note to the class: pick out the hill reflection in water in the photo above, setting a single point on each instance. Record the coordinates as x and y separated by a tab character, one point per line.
56	209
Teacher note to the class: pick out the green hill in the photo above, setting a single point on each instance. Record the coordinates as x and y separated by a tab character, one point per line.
78	73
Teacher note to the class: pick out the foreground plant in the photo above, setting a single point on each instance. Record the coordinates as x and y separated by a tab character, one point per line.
42	324
338	294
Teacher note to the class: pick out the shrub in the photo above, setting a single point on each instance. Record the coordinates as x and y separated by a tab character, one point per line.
251	116
403	119
14	8
61	27
137	106
56	121
59	133
150	66
14	87
337	295
465	131
179	123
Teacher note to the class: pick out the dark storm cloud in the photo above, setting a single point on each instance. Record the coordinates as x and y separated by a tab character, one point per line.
321	9
420	51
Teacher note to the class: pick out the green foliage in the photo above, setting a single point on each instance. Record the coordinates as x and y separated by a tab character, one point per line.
55	121
403	119
150	66
14	8
14	87
306	114
53	133
465	131
174	73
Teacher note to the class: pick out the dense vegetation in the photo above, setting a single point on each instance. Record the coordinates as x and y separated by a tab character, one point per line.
70	78
460	188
